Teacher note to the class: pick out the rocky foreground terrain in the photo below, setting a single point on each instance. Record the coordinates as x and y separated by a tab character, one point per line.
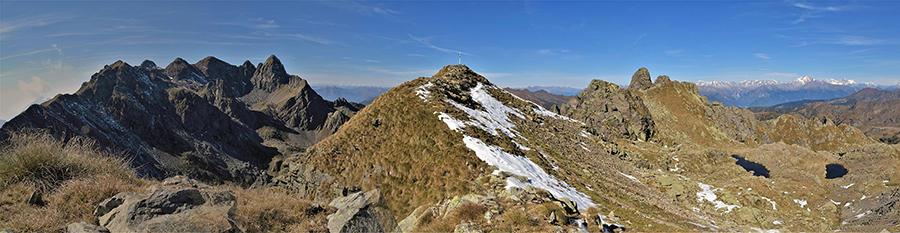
454	152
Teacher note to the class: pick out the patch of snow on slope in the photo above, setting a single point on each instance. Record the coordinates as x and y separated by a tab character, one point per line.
765	231
770	201
709	194
495	118
629	177
495	156
801	202
423	91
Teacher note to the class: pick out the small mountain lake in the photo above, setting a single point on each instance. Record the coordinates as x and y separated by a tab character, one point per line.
834	171
750	166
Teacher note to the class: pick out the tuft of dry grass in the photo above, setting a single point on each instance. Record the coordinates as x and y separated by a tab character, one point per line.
274	210
74	177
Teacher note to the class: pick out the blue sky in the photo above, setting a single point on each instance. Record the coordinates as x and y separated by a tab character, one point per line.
52	47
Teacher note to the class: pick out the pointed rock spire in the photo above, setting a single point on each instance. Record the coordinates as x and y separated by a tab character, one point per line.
182	70
270	75
641	80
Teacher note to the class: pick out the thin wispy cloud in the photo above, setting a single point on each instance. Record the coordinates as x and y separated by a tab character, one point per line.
423	72
426	42
362	8
8	26
416	55
316	39
762	56
782	75
675	52
808	6
54	48
639	38
814	11
258	23
857	40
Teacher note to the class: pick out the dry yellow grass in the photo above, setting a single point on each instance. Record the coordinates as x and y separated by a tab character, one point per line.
73	176
274	210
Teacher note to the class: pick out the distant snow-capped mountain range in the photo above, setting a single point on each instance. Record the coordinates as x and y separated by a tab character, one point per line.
750	93
796	82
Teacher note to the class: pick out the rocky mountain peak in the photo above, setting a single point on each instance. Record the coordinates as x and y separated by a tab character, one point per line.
641	80
182	70
458	74
270	75
148	64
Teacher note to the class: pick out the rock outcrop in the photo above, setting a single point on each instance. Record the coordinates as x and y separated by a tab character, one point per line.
611	111
179	204
211	120
640	80
360	212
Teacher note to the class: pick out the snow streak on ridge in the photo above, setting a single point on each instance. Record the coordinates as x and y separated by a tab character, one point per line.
495	119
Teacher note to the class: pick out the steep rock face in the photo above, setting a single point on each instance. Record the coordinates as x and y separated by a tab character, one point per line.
641	80
612	112
191	119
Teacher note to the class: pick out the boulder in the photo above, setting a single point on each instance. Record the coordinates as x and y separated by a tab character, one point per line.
179	204
360	212
83	227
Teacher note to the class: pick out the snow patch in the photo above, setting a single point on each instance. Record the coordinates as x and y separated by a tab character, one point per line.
537	177
847	186
423	91
863	214
765	231
629	177
770	201
801	202
709	194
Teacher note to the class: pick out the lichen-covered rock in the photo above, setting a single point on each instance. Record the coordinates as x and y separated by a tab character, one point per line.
360	212
641	80
611	112
179	204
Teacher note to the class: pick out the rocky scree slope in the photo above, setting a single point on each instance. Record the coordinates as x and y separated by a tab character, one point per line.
210	120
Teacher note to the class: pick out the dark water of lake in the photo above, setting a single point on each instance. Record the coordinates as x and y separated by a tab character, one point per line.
757	169
834	171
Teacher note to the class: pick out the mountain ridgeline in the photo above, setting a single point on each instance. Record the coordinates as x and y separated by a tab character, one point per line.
454	152
210	120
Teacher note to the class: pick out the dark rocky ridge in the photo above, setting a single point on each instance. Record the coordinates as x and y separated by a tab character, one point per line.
211	120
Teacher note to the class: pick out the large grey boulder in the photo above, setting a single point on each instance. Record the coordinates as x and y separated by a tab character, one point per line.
360	212
178	205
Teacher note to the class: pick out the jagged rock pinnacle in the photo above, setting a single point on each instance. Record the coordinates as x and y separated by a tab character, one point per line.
641	80
148	64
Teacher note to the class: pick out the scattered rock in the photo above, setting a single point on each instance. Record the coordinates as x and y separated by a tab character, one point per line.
83	227
467	228
36	198
179	204
360	212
